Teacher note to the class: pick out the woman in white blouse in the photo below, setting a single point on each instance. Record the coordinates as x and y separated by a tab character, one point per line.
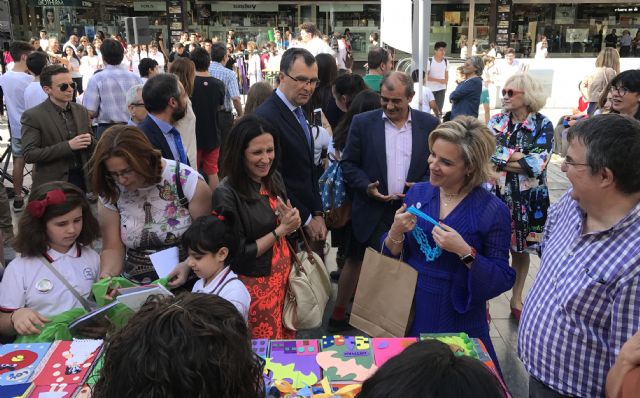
89	64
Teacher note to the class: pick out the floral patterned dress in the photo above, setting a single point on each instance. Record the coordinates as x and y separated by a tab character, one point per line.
526	194
152	219
268	292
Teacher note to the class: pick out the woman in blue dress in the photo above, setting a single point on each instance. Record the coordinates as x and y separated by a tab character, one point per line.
463	262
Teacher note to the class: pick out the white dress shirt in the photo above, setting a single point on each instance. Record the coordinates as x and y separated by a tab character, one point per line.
398	143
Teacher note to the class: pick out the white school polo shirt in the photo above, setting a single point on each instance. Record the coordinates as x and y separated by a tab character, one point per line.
27	282
234	291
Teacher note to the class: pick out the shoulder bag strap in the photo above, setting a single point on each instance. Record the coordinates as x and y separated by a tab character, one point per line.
306	247
182	200
82	300
219	289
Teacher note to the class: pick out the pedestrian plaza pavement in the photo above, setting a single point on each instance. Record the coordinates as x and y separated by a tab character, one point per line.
503	328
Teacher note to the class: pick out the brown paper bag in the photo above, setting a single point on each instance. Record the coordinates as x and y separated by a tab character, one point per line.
383	300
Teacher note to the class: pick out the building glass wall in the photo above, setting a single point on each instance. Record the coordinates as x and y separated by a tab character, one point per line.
572	29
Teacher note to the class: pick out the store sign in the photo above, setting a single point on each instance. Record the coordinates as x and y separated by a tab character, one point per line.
57	3
341	7
245	7
565	15
175	19
150	6
503	22
626	9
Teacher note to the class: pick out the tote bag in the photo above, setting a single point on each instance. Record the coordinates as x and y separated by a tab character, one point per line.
384	297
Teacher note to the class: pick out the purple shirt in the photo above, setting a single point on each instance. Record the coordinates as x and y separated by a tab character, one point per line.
585	302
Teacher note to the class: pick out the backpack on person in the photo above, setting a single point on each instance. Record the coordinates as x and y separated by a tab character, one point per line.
333	193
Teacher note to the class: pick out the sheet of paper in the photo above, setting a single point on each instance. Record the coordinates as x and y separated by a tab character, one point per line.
135	300
165	261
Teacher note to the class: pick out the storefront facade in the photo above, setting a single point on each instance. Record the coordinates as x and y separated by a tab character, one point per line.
573	29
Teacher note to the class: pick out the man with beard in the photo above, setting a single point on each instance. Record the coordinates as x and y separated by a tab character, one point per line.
166	101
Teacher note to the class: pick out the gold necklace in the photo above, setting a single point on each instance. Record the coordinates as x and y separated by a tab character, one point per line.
447	198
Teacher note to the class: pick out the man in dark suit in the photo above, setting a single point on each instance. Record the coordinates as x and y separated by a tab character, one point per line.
166	101
56	135
386	152
298	79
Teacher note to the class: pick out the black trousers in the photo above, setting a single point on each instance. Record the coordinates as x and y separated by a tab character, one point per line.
538	389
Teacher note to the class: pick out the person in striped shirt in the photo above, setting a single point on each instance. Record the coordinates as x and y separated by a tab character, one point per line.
585	302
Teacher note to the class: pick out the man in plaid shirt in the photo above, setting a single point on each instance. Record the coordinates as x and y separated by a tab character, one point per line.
585	302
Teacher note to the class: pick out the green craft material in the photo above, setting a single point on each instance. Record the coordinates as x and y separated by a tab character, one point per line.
58	328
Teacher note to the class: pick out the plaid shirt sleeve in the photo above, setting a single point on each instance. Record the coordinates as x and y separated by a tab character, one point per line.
233	88
625	314
91	97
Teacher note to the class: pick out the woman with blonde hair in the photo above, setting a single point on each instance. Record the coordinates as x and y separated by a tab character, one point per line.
607	67
463	261
524	142
185	69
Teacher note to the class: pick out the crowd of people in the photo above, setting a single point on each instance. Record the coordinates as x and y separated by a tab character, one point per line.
174	160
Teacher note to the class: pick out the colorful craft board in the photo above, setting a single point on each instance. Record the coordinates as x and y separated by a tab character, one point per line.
459	343
260	347
386	348
18	362
68	363
15	390
294	361
346	359
55	390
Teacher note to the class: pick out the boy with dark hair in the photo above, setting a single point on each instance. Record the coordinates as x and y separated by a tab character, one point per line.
34	94
148	68
380	61
438	73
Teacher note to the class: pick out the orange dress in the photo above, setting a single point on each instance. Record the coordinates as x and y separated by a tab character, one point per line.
268	292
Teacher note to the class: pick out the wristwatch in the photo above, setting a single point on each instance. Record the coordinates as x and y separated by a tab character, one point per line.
469	258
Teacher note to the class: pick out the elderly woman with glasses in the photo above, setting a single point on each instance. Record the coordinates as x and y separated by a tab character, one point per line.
465	98
524	141
625	93
146	204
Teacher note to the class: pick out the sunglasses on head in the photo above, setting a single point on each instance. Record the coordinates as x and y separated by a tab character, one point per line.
65	86
510	92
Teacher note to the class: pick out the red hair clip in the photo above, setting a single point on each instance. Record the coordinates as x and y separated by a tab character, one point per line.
218	216
37	207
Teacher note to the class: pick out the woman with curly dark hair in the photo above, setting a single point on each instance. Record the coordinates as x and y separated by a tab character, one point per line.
193	345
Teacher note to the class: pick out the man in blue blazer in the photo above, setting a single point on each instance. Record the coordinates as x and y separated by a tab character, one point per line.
298	79
166	101
386	152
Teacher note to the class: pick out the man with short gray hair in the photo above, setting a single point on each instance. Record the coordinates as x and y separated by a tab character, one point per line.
386	152
135	104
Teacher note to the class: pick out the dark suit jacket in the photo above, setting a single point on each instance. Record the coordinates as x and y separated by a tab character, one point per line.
364	161
45	142
296	157
154	134
466	98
